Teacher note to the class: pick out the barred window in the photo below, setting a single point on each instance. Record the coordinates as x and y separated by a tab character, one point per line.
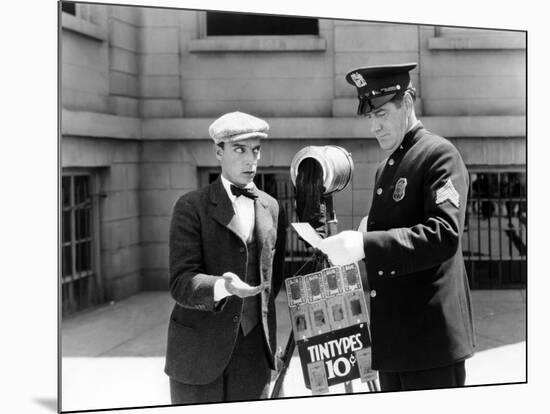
78	276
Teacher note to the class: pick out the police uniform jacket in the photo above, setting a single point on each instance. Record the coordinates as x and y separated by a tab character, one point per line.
420	305
204	244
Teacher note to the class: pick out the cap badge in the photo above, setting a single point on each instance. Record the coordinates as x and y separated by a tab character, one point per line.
447	192
358	79
399	192
390	88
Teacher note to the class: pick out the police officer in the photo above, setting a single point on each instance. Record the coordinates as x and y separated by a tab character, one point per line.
421	318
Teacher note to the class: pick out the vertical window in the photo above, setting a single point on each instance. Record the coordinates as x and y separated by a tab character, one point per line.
78	282
495	243
69	8
235	24
83	11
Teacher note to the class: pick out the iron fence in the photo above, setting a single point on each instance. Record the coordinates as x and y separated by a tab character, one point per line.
495	236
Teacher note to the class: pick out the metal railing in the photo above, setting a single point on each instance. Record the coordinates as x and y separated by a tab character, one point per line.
279	186
494	241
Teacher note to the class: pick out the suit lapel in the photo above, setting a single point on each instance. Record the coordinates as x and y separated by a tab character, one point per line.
222	209
263	221
223	213
263	227
264	232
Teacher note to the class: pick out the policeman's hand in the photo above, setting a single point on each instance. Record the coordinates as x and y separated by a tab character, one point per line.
344	248
363	224
235	286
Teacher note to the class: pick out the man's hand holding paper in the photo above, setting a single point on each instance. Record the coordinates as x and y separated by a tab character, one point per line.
235	286
343	248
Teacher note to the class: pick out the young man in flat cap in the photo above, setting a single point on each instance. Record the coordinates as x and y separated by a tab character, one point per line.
421	319
227	244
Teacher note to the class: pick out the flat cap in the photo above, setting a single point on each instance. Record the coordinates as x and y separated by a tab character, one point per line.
236	126
377	85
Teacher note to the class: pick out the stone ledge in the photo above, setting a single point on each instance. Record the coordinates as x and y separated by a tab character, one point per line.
111	126
304	43
83	27
345	128
344	107
93	124
476	43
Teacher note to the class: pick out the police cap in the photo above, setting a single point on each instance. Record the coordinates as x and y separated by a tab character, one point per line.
377	85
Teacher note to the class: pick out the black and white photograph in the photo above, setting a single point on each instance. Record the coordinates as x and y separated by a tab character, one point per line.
189	139
178	128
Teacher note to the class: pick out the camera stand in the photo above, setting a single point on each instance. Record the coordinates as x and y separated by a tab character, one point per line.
320	262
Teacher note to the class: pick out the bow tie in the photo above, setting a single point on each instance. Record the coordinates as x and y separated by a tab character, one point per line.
247	192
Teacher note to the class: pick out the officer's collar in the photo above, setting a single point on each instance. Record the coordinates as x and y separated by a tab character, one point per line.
410	137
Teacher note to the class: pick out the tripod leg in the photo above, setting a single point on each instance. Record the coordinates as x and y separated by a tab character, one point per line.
348	387
286	358
373	386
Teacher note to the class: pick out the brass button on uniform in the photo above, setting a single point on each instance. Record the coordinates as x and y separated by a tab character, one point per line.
379	191
391	161
380	273
235	319
392	272
373	293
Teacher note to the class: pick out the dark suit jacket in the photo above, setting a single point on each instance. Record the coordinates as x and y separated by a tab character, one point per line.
204	244
421	316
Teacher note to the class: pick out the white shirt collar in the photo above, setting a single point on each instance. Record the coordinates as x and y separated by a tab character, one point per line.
227	185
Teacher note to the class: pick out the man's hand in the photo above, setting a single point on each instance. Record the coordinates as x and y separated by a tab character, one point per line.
235	286
344	248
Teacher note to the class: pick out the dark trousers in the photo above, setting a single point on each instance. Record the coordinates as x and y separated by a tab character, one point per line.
246	377
445	377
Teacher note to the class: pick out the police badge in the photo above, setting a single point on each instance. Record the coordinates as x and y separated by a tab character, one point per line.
399	192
